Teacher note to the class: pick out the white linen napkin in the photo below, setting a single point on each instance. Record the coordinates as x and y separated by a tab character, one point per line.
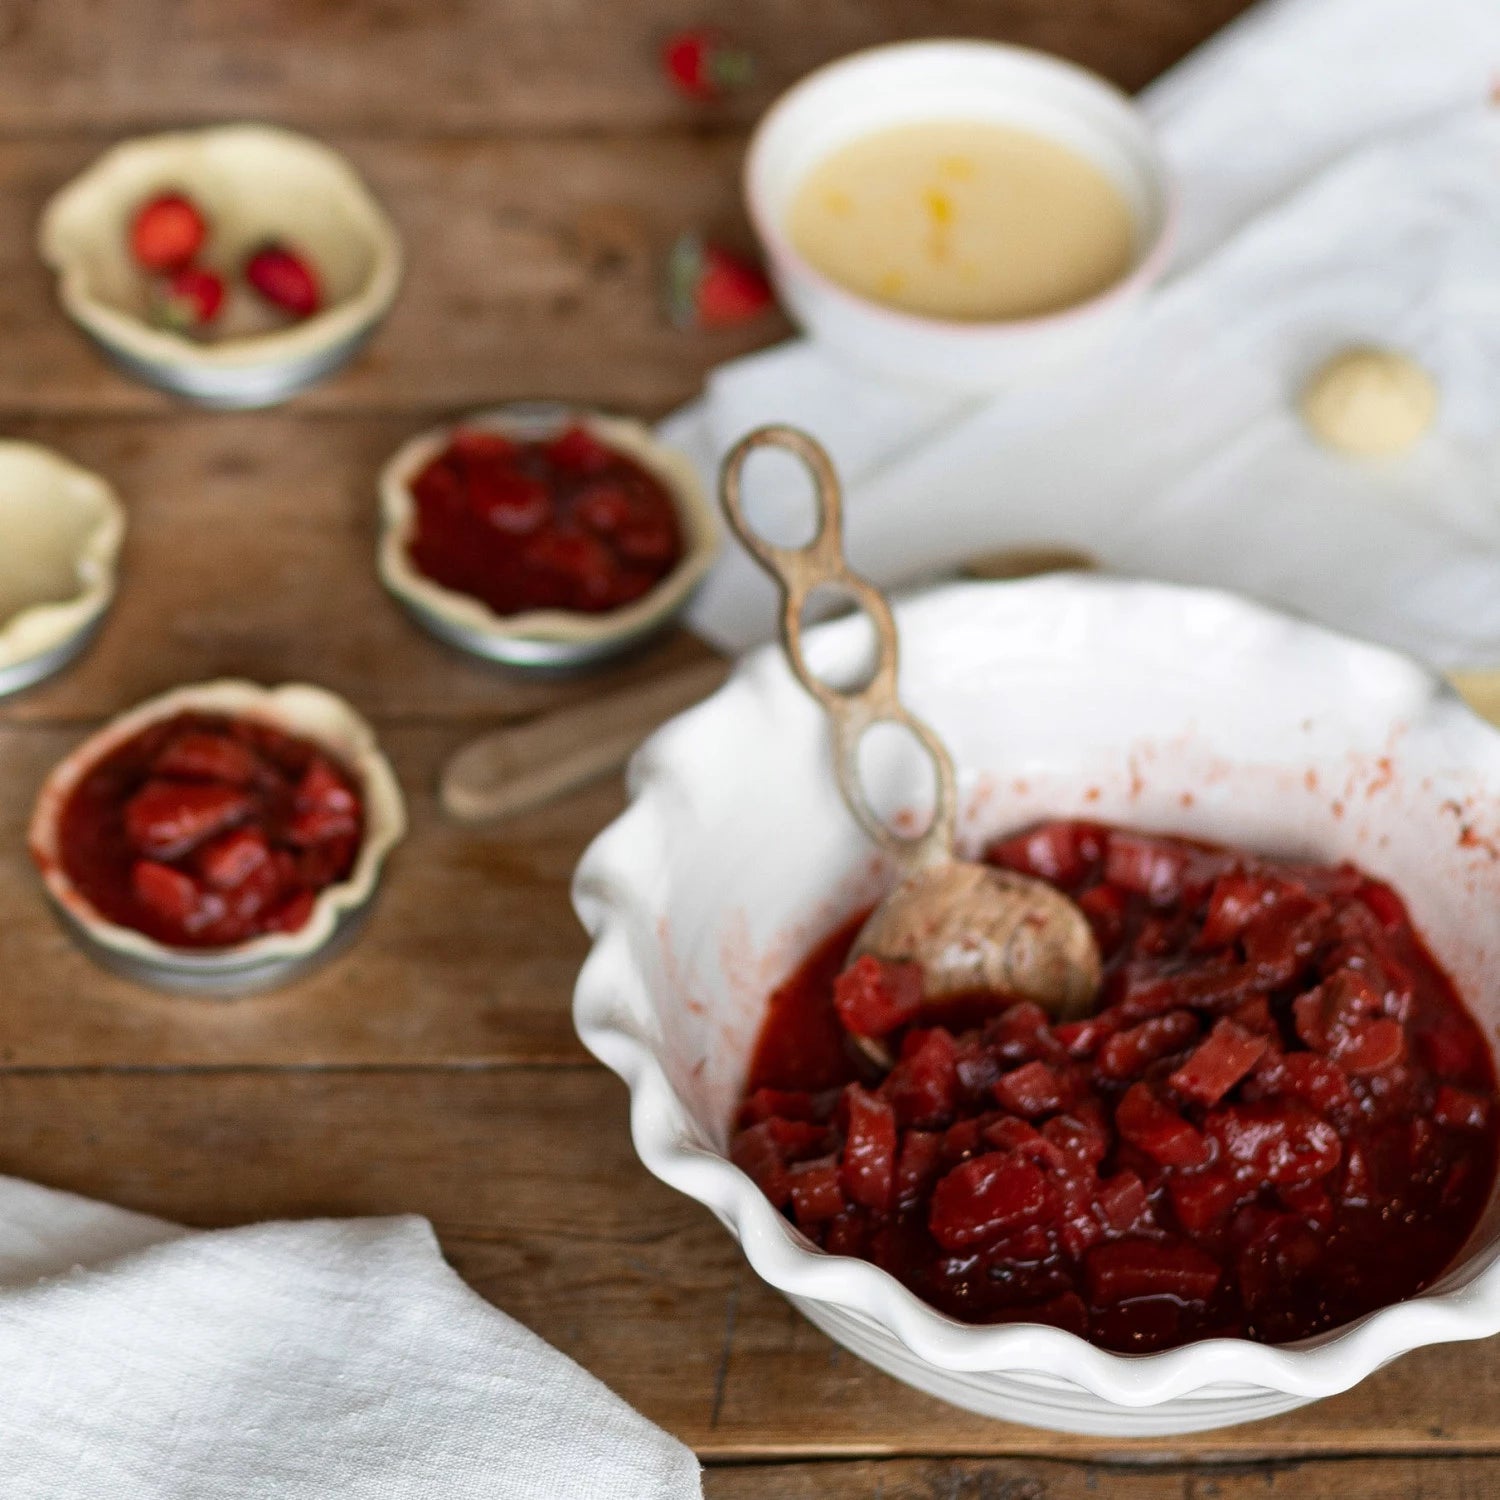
1337	168
144	1361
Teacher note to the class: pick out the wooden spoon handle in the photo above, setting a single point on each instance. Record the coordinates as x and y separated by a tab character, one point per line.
513	770
852	711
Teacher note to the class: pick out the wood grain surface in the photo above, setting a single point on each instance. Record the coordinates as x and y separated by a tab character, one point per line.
538	170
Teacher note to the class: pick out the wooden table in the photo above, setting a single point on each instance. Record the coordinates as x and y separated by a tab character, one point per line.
537	168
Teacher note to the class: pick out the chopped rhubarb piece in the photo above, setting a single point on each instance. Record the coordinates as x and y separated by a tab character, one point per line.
167	819
1460	1109
918	1165
1064	853
1279	1142
1010	1134
1371	1048
232	858
1084	1038
876	997
1237	897
1149	867
1033	1090
1301	1075
814	1186
1124	1269
578	451
1158	1130
1219	1063
1129	1053
1081	1135
1122	1205
292	914
923	1086
1105	906
1280	940
199	756
786	1104
1203	1200
985	1198
868	1172
1388	907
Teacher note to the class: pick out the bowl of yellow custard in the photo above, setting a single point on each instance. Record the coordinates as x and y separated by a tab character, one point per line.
959	213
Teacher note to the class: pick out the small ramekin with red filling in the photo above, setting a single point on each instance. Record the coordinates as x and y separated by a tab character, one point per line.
221	838
543	536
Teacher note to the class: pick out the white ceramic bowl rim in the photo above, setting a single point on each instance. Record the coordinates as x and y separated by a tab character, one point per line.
39	628
699	520
84	206
1148	264
611	999
296	708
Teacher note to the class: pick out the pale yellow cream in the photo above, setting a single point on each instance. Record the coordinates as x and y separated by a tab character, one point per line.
963	220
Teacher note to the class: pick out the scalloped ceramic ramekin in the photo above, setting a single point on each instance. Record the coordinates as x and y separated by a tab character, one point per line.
552	640
254	183
990	83
1180	710
60	533
264	962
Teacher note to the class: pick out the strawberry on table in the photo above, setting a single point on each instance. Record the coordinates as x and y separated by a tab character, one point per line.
167	232
191	299
711	287
285	278
703	65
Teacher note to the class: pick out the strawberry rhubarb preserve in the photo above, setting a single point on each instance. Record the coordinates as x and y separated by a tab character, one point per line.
568	523
202	831
1280	1116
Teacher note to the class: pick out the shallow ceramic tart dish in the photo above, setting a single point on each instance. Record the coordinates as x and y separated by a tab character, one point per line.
1171	710
254	183
548	639
60	533
306	712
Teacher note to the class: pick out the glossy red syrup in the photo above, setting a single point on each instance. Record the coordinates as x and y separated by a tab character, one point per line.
1280	1117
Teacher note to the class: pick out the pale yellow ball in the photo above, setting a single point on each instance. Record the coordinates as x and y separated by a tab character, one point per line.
1369	403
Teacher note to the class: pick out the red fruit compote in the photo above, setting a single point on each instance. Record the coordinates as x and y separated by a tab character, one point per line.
1280	1115
203	831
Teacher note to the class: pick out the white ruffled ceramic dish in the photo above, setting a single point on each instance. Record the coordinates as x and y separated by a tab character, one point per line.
254	183
62	528
545	639
1170	709
263	962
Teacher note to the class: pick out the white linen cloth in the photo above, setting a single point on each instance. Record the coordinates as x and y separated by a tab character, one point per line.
1338	166
144	1361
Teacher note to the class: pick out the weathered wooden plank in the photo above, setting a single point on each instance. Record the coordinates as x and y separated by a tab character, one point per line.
534	270
467	65
530	1179
251	550
1043	1479
468	957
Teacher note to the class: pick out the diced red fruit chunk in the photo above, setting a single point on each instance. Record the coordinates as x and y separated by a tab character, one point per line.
1157	1129
200	755
814	1187
326	807
918	1164
1066	1311
875	997
1203	1200
513	503
1343	1001
1010	1134
578	451
166	819
868	1170
1021	1032
1460	1109
1371	1048
1237	896
986	1197
1254	1015
1302	1075
230	860
1120	1270
1062	852
167	232
1122	1205
1033	1090
770	1104
1388	907
764	1151
285	278
1081	1135
1219	1062
848	1234
923	1086
1280	1141
1280	940
292	914
1128	1053
1150	867
1084	1038
479	447
191	299
169	894
1105	907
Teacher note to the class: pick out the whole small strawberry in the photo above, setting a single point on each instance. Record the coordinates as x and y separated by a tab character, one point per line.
189	301
711	287
285	279
167	232
702	65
